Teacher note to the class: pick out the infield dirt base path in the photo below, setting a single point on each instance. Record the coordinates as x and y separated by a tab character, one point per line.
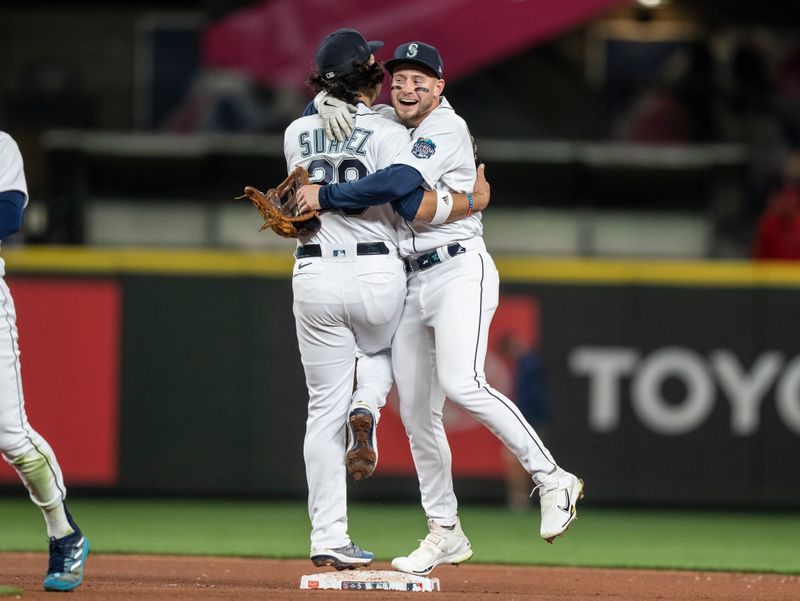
155	578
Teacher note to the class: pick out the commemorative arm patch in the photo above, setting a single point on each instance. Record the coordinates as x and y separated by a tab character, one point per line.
423	148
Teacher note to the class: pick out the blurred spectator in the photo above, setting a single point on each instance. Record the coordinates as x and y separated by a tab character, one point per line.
679	106
225	100
753	120
778	231
50	96
788	91
531	398
752	90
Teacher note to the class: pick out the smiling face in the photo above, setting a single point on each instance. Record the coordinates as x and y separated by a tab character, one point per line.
415	93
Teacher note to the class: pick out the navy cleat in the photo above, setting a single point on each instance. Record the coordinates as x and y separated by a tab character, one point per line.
348	557
67	559
362	450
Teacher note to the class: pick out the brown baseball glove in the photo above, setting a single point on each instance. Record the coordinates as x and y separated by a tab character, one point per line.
278	207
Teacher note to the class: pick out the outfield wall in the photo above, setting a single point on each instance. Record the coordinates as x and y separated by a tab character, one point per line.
178	372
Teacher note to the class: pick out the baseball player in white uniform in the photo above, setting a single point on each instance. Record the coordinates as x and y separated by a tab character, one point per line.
349	286
441	341
22	447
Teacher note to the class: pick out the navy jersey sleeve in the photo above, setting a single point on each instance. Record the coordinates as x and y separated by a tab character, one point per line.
310	109
12	202
408	206
386	185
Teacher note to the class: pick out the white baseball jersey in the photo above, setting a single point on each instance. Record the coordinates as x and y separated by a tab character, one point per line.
373	145
12	174
441	150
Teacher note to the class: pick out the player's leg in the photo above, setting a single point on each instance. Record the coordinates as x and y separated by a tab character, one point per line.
35	462
380	291
462	333
374	310
421	409
373	383
327	348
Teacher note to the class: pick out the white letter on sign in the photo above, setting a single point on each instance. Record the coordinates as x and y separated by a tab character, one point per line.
745	391
660	415
604	366
787	396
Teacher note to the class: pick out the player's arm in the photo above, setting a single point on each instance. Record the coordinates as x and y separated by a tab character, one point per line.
385	185
402	185
12	202
463	205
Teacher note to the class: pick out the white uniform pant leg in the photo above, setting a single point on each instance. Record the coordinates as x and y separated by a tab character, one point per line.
461	314
373	381
21	446
421	409
379	292
327	349
341	308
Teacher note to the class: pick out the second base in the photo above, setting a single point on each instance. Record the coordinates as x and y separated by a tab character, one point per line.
370	580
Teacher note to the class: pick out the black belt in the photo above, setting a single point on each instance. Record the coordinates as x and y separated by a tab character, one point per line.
428	260
362	248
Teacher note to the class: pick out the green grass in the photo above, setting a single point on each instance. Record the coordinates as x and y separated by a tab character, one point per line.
763	542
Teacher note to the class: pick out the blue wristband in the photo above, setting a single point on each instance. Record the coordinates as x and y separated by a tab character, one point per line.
469	197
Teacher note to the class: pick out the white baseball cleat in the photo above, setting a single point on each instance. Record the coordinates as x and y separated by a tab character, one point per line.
442	545
559	492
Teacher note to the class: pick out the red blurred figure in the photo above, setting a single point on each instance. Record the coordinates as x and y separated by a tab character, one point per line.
778	231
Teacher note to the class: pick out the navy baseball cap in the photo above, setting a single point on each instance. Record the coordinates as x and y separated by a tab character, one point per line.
343	50
416	53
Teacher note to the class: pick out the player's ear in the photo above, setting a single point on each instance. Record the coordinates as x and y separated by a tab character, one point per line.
438	88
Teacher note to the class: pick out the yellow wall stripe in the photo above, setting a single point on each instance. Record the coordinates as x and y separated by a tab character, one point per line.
654	273
76	259
83	260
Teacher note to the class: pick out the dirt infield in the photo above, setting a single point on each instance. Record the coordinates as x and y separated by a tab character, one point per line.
121	577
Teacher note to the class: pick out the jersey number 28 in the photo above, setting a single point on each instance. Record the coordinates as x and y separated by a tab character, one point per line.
323	171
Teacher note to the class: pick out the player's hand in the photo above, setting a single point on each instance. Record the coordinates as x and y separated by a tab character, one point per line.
308	198
482	190
337	115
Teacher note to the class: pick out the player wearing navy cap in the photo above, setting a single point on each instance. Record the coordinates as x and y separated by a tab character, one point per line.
349	286
452	293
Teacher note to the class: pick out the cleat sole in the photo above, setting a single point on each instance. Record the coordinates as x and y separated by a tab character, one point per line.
362	458
337	564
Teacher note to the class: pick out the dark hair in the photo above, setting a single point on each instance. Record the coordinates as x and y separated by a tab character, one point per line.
346	87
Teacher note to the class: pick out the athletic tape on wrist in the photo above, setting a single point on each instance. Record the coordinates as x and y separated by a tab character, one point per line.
444	204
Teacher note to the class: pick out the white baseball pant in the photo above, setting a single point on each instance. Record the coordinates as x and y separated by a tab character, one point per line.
439	351
345	307
21	446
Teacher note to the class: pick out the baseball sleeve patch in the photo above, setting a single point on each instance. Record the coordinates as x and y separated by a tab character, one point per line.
423	148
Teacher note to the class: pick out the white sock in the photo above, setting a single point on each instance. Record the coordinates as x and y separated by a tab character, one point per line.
56	519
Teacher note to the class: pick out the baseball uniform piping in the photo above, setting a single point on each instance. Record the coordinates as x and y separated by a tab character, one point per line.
486	387
20	402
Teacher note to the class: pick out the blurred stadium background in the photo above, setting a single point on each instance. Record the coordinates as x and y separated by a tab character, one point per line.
632	146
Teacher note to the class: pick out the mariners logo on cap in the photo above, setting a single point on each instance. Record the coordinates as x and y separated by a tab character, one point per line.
423	148
412	50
